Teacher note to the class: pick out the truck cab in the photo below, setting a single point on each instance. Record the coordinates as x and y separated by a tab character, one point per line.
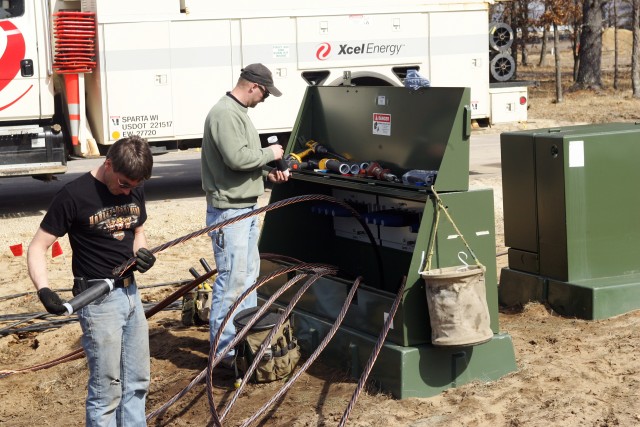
30	142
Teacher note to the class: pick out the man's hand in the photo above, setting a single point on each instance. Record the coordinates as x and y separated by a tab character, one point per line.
278	151
51	301
144	260
277	176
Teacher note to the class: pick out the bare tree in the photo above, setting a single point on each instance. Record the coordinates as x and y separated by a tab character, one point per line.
576	20
556	44
615	44
523	9
589	68
635	50
543	48
556	13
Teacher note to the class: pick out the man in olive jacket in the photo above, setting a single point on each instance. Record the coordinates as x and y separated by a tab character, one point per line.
232	178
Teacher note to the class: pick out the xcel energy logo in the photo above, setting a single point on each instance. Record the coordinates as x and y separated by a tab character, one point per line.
324	49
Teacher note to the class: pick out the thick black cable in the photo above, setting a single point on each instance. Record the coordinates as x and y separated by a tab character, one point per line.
120	270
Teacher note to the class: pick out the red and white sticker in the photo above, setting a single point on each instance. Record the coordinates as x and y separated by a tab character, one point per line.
381	124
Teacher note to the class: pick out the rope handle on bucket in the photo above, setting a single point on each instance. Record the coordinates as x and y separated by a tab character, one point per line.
440	206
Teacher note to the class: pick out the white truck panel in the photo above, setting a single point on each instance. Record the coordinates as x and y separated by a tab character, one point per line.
362	40
137	8
460	55
202	72
258	8
138	70
272	42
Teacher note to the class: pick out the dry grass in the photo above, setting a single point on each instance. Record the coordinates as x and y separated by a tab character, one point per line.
582	106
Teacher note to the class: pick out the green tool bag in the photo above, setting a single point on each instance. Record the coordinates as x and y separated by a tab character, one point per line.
279	359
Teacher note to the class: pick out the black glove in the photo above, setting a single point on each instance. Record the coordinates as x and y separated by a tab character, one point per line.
144	260
51	301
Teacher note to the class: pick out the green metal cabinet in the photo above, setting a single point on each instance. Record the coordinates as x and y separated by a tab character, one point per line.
425	129
571	217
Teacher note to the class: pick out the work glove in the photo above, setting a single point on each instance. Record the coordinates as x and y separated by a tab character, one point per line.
144	260
51	301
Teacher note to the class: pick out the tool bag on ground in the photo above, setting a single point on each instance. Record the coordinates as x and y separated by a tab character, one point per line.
196	306
279	359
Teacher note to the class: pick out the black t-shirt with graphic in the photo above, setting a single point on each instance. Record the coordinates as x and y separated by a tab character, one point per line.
100	225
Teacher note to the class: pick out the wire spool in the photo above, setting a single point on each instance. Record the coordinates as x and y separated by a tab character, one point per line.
500	36
502	67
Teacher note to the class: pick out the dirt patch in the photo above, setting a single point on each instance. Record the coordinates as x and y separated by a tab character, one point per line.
570	372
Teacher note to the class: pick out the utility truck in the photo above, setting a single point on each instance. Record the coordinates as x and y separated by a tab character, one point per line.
75	76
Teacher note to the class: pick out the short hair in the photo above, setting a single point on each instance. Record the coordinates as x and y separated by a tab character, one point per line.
131	157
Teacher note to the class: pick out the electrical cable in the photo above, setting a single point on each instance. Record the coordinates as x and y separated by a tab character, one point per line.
374	354
57	322
79	352
233	343
120	270
319	270
314	355
267	342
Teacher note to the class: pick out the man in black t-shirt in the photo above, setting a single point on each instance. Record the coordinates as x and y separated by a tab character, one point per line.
103	212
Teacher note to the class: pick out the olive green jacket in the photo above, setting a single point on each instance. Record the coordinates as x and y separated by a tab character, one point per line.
232	157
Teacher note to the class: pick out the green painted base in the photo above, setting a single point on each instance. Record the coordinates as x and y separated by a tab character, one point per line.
414	371
586	299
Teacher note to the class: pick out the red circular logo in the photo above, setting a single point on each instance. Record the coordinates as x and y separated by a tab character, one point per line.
323	51
13	53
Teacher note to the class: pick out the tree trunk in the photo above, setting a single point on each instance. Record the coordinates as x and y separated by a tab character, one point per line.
543	48
589	69
615	44
575	42
556	49
525	38
516	40
635	50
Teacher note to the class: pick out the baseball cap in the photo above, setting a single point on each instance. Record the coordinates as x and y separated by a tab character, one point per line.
258	73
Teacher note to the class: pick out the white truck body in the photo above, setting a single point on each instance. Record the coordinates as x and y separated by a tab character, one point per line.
162	64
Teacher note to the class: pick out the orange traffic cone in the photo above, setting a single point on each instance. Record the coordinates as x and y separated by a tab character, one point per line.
73	104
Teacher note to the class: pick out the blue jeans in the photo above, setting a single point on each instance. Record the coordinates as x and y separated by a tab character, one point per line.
235	248
116	341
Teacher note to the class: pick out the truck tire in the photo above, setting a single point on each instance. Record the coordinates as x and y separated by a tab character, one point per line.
500	36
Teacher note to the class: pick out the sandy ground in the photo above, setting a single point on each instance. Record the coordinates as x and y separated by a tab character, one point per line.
570	372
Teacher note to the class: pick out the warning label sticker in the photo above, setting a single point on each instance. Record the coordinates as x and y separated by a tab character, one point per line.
381	124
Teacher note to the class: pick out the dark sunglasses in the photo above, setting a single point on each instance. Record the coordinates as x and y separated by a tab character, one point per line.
127	185
265	92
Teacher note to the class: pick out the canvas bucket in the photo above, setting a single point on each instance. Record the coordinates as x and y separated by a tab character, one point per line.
457	302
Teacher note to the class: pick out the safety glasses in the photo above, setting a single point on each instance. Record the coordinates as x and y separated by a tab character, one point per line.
128	186
265	92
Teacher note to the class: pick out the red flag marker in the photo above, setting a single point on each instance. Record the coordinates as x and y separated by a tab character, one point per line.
16	250
56	250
